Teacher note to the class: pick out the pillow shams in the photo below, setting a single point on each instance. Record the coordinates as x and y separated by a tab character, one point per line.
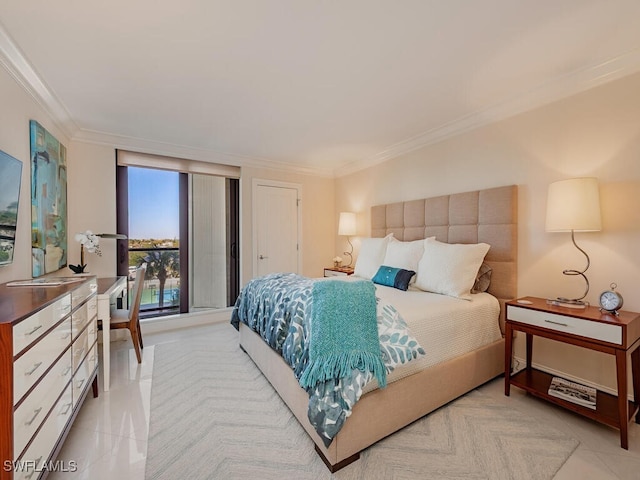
483	279
450	269
394	277
372	251
404	255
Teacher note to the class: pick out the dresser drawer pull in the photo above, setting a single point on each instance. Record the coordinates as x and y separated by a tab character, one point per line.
66	371
80	352
67	406
557	323
80	383
35	462
35	329
35	415
35	367
65	336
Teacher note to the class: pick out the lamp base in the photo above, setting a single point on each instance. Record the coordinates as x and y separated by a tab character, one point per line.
567	302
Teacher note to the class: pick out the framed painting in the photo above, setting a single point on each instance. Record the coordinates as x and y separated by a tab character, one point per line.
48	201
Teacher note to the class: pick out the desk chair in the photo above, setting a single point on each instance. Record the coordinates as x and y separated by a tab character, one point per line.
130	318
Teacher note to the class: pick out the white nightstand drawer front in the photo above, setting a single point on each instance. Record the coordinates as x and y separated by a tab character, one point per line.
562	323
333	273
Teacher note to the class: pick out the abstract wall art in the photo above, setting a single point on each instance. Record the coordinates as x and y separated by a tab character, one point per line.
48	201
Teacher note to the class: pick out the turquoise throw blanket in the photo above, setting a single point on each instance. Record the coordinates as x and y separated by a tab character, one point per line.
344	332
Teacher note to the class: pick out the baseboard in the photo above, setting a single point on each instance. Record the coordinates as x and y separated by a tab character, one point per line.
185	320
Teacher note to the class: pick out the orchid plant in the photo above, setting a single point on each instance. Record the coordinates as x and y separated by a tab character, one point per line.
89	241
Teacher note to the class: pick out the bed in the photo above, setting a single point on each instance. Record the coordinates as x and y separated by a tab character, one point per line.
485	216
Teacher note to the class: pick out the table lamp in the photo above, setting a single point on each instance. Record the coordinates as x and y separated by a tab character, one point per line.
574	206
347	227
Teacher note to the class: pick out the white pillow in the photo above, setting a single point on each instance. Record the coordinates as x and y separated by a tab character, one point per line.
405	255
372	251
450	269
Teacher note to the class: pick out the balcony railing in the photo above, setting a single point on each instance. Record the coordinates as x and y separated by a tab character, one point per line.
158	298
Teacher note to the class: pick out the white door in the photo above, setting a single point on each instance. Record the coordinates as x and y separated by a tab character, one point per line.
276	242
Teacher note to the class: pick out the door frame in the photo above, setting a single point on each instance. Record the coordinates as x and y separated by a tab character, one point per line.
257	182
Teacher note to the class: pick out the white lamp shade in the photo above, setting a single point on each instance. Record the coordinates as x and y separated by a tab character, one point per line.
573	204
347	224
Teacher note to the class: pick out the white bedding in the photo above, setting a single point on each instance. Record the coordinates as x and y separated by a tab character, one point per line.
446	327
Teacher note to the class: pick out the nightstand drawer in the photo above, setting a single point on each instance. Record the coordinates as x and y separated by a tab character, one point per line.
334	273
563	323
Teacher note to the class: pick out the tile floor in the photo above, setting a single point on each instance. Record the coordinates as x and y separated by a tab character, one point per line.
109	438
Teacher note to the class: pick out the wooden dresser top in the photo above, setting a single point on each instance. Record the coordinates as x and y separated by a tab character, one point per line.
17	303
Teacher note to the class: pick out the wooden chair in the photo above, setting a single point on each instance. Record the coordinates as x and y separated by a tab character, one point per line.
130	319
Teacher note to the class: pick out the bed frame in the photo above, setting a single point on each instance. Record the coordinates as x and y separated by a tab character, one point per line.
481	216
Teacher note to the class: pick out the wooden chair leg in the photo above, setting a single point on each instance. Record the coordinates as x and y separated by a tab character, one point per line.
140	335
136	344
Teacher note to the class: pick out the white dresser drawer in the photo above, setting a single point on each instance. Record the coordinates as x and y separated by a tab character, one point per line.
29	330
80	348
83	374
562	323
83	292
32	365
81	316
30	414
43	444
93	331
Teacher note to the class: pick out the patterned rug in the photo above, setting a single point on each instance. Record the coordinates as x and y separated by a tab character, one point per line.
214	416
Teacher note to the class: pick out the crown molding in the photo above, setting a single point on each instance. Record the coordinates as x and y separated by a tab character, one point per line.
562	87
182	151
15	63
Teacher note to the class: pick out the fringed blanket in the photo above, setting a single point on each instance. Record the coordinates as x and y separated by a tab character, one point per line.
344	332
280	308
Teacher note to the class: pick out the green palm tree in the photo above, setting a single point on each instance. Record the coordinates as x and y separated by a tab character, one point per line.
161	264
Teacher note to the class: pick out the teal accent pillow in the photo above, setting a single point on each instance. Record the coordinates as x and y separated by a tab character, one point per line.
393	277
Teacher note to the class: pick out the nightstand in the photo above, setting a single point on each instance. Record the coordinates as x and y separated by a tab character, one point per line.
617	335
338	271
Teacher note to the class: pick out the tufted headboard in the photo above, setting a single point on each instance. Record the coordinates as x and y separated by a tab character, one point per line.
489	216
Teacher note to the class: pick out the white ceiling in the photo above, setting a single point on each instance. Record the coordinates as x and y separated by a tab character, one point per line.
319	86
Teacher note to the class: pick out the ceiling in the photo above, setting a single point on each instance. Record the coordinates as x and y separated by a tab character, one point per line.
324	87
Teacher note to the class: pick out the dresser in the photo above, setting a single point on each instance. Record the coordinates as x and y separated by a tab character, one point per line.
48	360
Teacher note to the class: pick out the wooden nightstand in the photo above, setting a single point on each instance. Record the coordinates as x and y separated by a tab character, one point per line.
587	328
338	271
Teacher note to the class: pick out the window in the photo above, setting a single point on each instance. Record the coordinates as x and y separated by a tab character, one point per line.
184	226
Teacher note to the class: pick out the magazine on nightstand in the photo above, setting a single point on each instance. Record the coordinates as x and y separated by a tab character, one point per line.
573	392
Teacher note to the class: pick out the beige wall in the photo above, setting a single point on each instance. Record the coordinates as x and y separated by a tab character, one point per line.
91	195
18	107
596	133
92	203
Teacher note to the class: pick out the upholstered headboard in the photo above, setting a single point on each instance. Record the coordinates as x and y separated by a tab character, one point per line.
489	216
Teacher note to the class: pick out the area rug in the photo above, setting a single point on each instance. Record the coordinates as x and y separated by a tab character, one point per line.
214	416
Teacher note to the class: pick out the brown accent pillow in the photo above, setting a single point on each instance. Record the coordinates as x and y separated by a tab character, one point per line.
483	279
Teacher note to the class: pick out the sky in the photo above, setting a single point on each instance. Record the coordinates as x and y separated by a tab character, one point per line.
153	204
